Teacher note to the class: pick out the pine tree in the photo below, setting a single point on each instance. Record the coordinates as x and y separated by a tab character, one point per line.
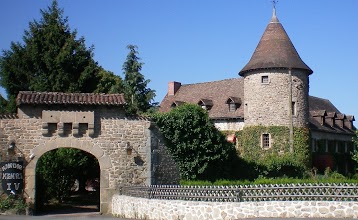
138	96
50	59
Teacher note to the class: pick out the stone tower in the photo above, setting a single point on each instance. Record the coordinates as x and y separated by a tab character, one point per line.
276	81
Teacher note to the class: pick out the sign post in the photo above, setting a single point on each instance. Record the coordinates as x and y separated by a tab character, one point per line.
12	178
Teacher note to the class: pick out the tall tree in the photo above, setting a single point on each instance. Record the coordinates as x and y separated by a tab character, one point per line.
51	58
138	96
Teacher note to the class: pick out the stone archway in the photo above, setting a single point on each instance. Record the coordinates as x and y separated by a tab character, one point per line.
104	163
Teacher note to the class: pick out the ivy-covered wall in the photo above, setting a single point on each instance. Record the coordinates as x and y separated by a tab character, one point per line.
279	156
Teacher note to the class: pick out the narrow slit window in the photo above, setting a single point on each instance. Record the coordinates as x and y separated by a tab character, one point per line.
293	108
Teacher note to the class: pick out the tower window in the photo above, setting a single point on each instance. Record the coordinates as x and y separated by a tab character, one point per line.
293	108
265	141
264	79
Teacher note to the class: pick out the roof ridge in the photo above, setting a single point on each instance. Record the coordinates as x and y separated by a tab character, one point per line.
33	97
228	79
319	98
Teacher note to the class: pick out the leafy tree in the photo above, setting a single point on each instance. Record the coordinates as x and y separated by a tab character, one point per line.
109	83
137	95
58	169
199	149
50	59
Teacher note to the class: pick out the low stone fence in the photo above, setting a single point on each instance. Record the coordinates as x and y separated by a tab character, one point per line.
141	208
237	202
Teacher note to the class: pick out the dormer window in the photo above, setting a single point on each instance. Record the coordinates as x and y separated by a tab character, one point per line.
176	104
206	104
319	115
233	103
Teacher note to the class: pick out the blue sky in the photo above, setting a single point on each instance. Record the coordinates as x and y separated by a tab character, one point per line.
193	41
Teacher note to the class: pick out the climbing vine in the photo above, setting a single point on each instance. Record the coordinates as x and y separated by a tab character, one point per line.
278	160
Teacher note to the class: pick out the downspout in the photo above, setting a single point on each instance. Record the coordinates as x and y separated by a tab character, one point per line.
290	110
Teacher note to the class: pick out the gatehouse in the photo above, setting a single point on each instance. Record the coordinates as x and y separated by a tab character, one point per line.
129	150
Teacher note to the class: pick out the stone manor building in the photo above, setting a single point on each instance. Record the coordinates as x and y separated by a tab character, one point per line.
273	90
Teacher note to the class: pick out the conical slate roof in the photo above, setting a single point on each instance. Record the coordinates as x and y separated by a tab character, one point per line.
275	51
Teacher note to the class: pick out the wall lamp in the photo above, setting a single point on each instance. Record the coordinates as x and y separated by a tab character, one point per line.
32	156
11	146
130	149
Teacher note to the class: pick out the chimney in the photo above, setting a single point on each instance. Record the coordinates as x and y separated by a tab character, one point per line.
173	87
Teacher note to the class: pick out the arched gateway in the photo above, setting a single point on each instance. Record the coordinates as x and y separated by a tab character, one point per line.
129	150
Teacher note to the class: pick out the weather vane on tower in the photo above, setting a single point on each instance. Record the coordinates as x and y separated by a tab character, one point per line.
274	2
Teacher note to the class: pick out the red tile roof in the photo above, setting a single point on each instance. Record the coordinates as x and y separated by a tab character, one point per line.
8	116
59	98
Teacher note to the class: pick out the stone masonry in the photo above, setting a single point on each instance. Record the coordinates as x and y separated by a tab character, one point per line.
103	131
140	208
268	103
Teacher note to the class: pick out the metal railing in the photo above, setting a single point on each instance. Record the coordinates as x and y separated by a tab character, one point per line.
246	193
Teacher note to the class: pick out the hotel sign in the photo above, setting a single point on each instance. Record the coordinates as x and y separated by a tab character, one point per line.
12	178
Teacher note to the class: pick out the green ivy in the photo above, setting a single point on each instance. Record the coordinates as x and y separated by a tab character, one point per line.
278	160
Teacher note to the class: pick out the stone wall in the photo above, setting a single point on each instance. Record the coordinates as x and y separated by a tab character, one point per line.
268	103
229	124
163	167
139	208
106	136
